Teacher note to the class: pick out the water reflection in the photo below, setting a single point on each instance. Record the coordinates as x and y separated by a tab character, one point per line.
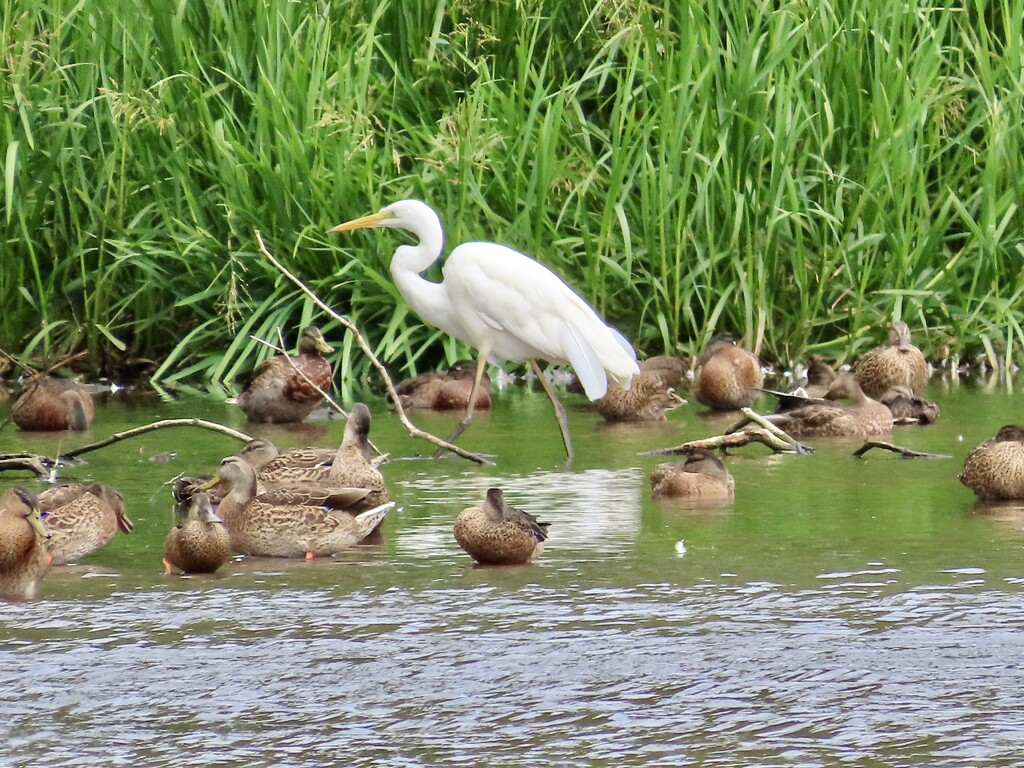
595	510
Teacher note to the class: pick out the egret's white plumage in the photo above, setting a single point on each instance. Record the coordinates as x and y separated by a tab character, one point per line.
503	303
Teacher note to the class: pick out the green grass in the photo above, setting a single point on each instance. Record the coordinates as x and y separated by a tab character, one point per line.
796	173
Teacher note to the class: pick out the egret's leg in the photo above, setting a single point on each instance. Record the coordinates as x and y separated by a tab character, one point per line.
467	417
563	423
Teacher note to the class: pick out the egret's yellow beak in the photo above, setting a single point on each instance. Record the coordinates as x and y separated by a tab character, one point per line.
372	220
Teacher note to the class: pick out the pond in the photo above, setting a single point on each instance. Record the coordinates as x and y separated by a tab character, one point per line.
840	611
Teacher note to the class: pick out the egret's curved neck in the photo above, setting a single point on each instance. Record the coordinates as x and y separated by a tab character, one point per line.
428	299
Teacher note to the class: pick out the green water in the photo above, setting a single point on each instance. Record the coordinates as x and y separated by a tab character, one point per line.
840	611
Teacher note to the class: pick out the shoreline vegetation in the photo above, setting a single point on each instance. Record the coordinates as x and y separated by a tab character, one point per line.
796	174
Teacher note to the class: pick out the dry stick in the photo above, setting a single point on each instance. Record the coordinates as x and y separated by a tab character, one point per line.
35	464
730	440
905	453
752	416
365	346
164	424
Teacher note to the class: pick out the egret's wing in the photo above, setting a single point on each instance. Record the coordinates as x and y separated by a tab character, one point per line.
524	310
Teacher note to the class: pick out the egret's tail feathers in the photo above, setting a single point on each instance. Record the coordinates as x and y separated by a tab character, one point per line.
623	342
584	361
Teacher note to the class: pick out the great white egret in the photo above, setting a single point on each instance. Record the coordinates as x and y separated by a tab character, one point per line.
503	304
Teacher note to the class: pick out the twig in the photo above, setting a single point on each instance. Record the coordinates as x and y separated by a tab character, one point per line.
365	347
164	424
36	464
752	416
731	440
905	453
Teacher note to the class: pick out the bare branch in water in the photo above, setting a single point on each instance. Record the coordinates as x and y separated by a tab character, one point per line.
364	345
905	453
43	465
164	424
753	428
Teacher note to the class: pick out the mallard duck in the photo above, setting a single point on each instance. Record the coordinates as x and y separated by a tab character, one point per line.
497	534
445	391
278	390
278	482
727	377
907	407
267	459
671	369
701	476
828	418
200	542
647	399
261	527
81	519
50	403
995	469
350	468
23	557
899	363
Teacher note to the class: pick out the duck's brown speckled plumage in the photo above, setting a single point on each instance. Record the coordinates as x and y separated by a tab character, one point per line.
899	363
278	393
727	377
445	390
701	476
200	542
23	557
862	417
50	403
995	469
268	528
266	459
647	399
81	519
351	466
497	534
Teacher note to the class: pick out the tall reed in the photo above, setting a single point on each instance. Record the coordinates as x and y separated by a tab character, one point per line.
796	173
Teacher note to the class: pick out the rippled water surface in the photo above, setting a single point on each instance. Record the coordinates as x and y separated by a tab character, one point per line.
840	612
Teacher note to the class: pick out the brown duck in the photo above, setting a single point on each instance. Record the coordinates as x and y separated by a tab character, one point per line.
81	519
647	399
23	557
671	369
497	534
995	469
908	408
266	458
350	468
445	391
199	543
51	403
727	377
899	363
862	417
701	476
262	526
278	390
